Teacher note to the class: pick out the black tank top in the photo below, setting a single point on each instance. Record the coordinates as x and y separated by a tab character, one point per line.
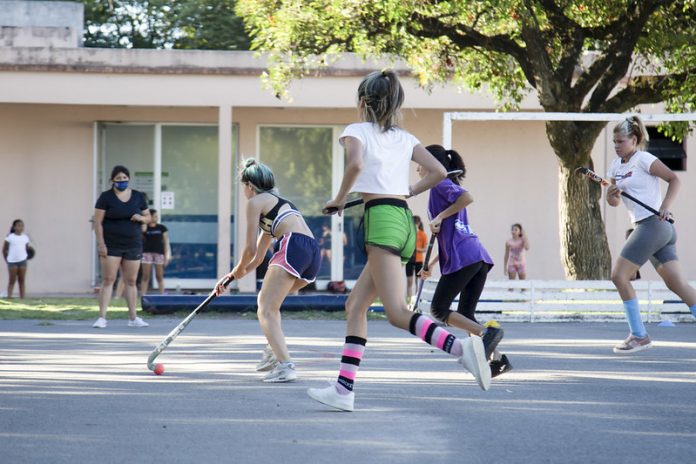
269	222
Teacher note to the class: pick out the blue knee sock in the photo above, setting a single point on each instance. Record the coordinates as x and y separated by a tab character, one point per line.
693	310
635	323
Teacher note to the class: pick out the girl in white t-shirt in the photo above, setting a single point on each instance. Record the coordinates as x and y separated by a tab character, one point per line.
638	173
379	154
15	249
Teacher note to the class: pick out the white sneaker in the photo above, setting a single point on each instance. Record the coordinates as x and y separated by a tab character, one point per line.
283	372
268	360
100	323
474	360
330	397
137	322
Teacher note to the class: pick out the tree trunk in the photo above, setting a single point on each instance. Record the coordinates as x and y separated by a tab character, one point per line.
584	247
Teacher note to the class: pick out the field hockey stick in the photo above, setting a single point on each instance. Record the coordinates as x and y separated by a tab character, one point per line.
359	201
426	262
587	172
180	328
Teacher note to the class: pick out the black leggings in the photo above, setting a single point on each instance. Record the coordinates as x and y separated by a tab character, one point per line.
468	282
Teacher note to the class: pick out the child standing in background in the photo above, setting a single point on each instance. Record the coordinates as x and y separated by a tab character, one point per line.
15	250
515	262
156	251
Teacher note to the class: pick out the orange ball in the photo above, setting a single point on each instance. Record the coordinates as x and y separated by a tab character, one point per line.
159	369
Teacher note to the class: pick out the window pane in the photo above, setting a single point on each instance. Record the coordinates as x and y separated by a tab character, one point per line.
133	147
189	172
354	257
300	158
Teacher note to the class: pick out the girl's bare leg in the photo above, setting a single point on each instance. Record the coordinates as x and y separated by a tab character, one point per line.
276	286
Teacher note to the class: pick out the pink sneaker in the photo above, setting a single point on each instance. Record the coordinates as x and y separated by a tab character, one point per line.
633	344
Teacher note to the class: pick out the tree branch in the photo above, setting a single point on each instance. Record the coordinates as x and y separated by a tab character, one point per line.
606	31
466	37
555	15
607	72
621	37
536	41
642	90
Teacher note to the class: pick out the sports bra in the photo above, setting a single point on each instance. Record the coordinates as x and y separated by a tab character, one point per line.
270	221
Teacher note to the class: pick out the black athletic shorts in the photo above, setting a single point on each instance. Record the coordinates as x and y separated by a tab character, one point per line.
129	254
413	267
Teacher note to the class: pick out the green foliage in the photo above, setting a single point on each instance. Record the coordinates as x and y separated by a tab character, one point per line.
506	47
592	56
185	24
299	156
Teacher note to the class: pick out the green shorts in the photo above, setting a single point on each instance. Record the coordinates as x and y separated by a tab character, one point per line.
389	225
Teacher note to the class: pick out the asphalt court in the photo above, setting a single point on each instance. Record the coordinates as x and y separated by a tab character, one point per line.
72	394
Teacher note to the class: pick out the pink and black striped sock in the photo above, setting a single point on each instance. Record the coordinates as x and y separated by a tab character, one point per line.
425	328
350	361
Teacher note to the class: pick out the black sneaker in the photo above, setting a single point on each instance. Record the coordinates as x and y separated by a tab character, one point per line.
500	367
491	337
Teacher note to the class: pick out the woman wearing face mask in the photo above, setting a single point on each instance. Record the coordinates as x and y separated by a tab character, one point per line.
118	216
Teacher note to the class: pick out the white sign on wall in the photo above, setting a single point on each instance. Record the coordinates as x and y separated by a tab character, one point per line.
167	200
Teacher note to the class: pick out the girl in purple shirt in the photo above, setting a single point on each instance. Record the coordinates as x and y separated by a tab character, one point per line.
464	262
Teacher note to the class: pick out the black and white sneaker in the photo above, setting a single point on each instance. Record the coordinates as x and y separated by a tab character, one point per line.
500	366
491	336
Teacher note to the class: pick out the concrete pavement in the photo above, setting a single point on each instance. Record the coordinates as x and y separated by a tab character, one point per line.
73	394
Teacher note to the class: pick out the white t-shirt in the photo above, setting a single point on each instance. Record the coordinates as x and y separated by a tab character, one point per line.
635	179
18	247
386	157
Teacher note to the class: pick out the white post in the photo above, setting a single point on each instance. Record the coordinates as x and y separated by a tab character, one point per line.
532	297
224	189
157	171
95	190
336	221
447	130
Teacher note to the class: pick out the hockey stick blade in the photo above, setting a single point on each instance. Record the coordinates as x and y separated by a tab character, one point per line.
182	325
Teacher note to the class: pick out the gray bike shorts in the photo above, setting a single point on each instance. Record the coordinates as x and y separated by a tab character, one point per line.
652	239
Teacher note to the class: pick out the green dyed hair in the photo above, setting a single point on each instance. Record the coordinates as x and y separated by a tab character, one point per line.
258	175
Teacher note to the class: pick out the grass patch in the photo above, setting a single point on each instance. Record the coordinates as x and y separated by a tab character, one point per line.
57	309
80	309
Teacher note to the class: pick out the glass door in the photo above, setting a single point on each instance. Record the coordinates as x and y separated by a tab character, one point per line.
129	145
176	166
189	200
304	161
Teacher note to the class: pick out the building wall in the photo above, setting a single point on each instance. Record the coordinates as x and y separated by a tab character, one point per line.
41	24
46	157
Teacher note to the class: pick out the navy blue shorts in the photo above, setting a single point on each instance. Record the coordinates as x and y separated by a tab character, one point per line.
299	255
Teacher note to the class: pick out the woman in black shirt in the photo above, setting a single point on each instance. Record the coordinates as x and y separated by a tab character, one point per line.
118	216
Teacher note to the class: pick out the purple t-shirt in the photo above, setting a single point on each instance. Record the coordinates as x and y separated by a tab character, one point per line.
457	245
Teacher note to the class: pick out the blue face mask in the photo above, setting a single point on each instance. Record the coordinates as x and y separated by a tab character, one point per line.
121	185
